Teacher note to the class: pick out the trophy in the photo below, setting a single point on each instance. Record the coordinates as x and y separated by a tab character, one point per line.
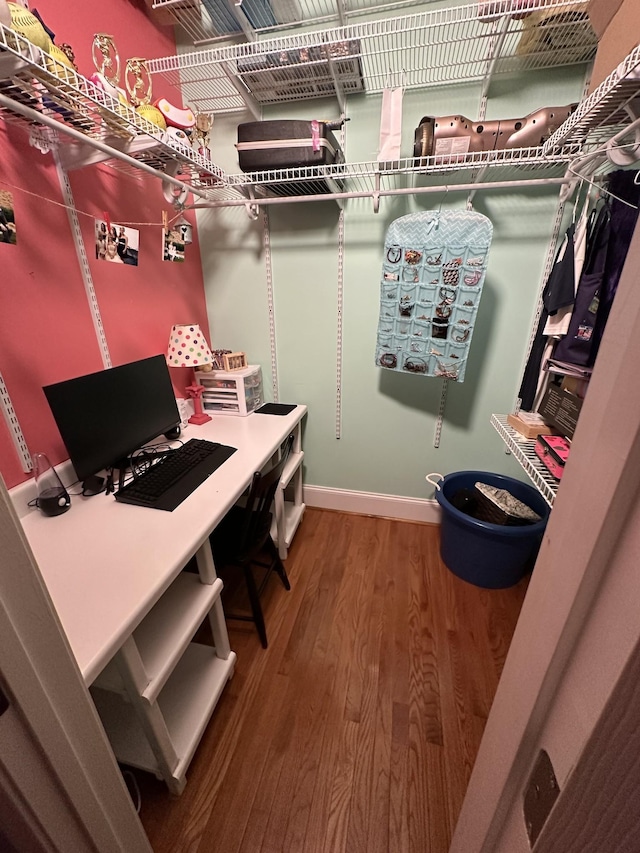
107	76
138	82
107	62
204	122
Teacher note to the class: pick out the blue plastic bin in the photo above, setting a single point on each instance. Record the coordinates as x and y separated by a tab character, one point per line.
493	556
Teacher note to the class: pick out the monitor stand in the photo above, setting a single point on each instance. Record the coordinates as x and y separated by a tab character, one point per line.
121	467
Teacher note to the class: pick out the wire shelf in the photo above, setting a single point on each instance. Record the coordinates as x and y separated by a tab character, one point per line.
212	20
603	111
524	453
444	46
441	173
43	87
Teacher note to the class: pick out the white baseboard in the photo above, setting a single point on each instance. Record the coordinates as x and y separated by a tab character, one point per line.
369	503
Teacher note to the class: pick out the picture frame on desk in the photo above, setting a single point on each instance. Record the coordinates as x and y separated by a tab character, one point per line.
234	361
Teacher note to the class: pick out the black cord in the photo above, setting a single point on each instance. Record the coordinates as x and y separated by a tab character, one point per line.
144	458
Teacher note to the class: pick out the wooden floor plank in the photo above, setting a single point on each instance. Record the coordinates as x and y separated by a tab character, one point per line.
356	730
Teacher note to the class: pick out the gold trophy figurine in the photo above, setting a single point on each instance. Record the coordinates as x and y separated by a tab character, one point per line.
204	122
107	76
138	81
105	58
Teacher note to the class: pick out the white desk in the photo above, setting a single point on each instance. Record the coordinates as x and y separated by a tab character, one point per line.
114	574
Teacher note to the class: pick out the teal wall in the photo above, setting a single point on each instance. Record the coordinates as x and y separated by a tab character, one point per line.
388	419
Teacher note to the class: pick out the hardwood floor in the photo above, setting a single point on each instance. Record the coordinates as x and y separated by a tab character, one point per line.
357	729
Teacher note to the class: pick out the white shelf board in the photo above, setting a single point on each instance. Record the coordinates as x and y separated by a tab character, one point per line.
166	632
292	517
523	450
292	465
190	696
187	702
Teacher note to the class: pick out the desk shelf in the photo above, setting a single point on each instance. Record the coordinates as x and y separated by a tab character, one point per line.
289	506
157	694
186	704
163	636
293	513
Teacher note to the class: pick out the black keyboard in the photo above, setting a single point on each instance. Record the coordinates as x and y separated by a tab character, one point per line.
168	482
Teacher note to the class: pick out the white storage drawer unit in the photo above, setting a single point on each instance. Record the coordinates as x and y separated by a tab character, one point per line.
233	392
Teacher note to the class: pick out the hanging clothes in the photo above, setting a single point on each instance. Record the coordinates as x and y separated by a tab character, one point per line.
608	236
558	323
558	293
622	184
576	346
606	253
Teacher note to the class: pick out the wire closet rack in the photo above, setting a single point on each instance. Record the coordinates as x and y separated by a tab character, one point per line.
214	20
440	47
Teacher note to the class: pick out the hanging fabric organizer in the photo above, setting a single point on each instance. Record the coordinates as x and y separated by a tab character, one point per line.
432	277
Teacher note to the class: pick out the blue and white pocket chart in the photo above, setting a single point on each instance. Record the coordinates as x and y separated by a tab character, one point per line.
433	272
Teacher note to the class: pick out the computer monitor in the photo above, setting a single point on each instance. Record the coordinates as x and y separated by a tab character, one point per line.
104	417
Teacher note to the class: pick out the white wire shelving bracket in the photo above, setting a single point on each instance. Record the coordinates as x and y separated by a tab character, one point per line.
268	266
83	261
15	430
523	451
340	325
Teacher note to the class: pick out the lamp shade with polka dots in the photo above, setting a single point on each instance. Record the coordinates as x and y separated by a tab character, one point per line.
188	347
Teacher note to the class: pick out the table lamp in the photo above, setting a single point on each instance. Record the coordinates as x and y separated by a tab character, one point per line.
188	348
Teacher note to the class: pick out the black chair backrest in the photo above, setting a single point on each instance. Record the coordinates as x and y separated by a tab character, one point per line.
256	523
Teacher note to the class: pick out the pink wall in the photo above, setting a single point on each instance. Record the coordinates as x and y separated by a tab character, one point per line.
46	331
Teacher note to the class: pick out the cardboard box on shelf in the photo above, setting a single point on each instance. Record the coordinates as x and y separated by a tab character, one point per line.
530	424
620	34
561	409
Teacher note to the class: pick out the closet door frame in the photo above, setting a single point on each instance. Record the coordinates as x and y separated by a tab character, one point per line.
579	561
60	786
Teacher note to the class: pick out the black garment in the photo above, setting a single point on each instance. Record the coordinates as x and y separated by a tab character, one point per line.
608	241
607	251
559	291
577	346
623	223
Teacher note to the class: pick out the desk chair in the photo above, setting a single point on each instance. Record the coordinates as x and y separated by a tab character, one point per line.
244	536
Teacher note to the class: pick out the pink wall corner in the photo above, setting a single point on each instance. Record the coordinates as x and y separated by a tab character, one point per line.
47	333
